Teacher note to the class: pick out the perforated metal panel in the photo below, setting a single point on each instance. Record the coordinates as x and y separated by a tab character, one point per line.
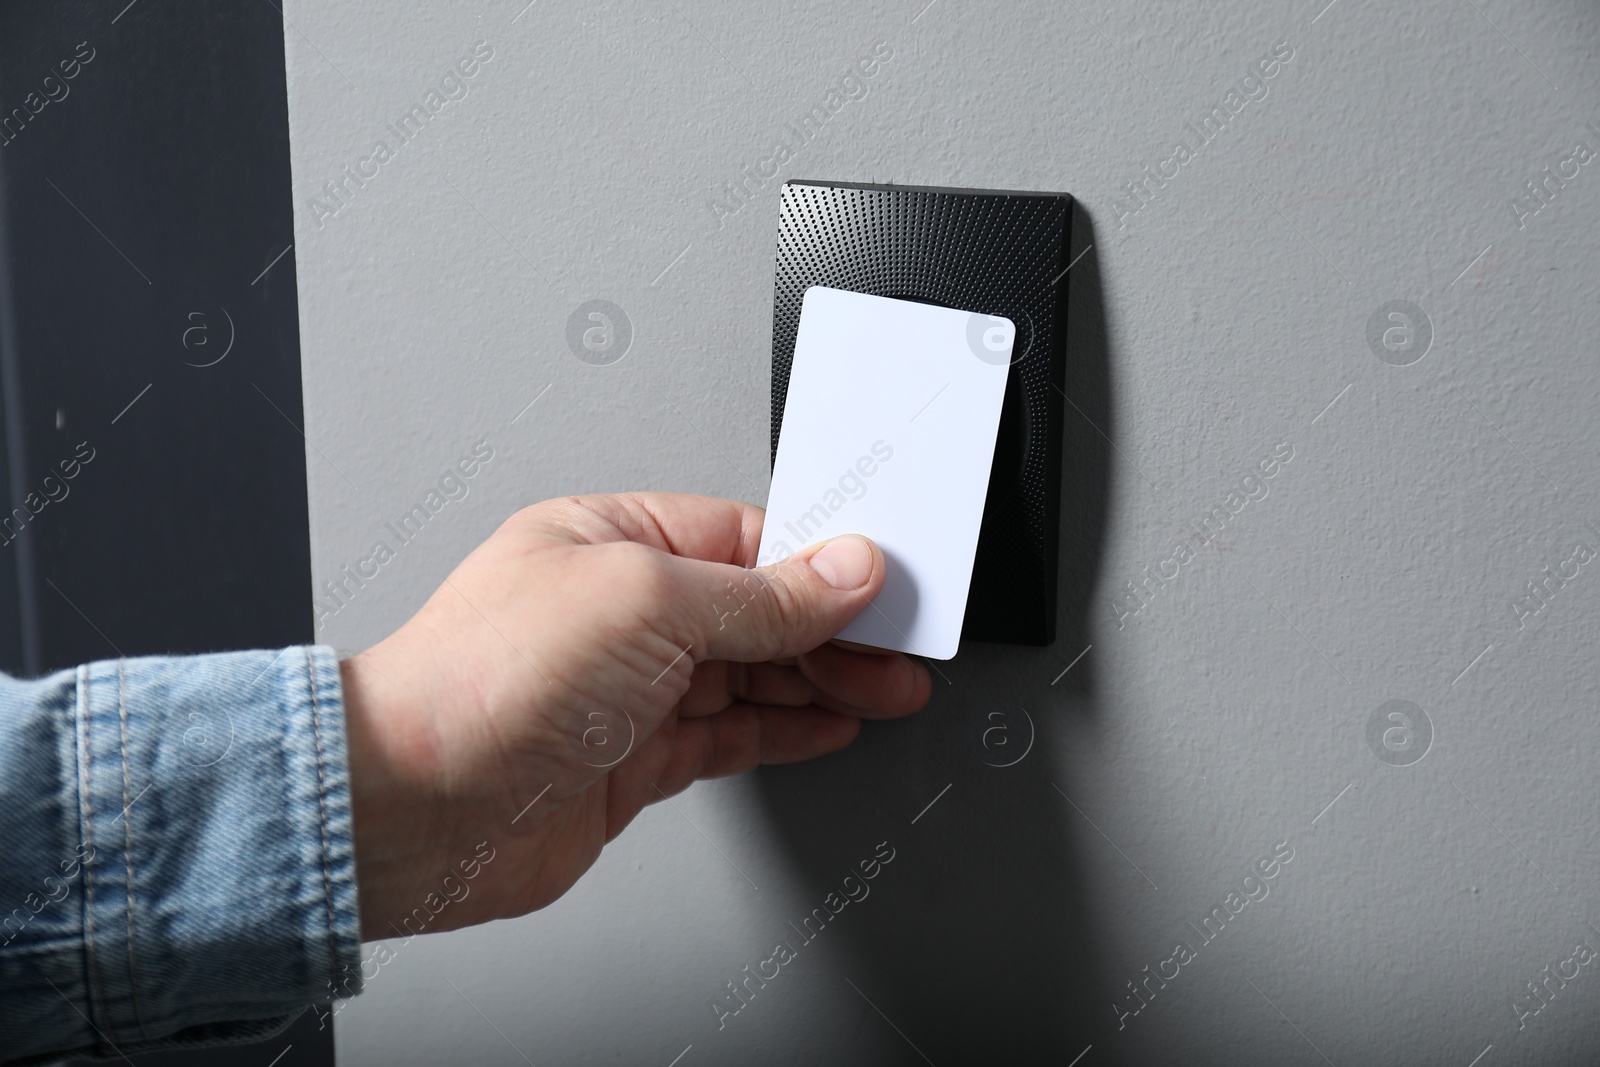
996	253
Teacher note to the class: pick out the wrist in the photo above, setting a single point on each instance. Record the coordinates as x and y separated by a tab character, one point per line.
392	788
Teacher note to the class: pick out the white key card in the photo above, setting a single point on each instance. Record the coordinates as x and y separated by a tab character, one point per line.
889	431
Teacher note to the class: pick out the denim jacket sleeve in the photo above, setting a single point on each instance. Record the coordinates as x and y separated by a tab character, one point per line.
176	862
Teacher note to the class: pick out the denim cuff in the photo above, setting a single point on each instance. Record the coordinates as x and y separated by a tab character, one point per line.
205	802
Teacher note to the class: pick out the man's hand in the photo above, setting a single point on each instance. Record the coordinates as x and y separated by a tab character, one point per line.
595	655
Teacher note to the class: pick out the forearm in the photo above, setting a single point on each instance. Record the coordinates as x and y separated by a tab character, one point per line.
176	863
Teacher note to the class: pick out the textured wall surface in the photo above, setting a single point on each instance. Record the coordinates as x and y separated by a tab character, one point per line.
1091	803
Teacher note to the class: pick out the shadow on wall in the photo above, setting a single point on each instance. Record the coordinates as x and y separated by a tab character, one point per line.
978	940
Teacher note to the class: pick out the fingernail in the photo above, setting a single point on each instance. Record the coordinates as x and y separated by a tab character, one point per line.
844	563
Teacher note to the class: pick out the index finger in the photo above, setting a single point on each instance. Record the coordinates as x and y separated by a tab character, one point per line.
696	527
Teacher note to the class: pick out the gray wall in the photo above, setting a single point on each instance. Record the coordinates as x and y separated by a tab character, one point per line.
1227	316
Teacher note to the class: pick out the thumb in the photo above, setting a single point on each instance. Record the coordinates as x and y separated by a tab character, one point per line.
789	607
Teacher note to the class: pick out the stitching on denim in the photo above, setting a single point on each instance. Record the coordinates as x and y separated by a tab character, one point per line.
86	714
127	850
322	804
